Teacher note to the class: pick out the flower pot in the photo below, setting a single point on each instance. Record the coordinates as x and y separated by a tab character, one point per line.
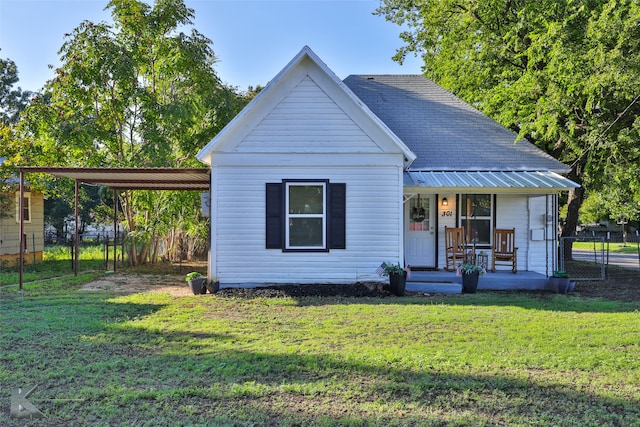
213	287
470	282
561	285
198	286
397	283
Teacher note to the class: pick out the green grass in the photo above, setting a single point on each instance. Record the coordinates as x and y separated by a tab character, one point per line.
56	263
488	359
629	248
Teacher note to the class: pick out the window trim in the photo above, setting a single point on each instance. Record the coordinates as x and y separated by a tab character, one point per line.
288	183
27	206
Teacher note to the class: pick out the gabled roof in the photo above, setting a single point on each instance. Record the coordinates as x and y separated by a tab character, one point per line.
305	64
446	133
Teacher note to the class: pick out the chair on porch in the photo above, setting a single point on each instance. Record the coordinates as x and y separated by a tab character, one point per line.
504	251
456	246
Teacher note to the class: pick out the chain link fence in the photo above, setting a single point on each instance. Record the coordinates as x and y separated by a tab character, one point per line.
599	256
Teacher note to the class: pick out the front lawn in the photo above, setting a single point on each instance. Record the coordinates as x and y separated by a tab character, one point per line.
488	359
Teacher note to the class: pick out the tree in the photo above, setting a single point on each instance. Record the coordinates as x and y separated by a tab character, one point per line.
142	92
12	100
562	73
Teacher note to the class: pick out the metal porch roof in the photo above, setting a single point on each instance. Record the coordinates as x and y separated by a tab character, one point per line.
194	179
497	181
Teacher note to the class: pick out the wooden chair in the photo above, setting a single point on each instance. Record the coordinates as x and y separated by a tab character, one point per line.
504	251
456	246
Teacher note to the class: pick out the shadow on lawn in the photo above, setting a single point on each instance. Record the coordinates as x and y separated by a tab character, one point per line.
128	375
410	397
241	388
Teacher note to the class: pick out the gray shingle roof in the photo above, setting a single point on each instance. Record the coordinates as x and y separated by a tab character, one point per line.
445	132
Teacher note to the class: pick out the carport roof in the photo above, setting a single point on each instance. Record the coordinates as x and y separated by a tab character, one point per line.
193	179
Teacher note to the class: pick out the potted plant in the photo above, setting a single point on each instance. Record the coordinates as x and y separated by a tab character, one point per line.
470	274
397	278
213	286
560	282
197	283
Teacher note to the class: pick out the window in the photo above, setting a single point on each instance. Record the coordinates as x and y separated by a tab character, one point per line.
27	207
305	215
476	212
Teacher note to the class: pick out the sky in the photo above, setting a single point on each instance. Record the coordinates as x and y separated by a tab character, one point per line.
252	39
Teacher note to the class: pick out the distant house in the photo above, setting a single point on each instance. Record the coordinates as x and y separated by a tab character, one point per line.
318	180
10	225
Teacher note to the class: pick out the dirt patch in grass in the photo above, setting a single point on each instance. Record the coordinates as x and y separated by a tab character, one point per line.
624	287
137	283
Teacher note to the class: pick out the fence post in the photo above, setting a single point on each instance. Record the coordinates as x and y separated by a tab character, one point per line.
638	245
72	249
106	251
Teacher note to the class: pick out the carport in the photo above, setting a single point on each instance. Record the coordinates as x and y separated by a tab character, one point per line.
118	179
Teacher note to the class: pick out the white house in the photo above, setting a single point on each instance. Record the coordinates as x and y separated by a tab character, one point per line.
316	179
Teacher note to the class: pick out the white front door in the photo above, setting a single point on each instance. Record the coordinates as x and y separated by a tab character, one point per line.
419	231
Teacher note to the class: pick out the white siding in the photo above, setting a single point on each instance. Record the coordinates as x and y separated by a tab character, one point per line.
373	214
512	212
542	253
307	120
534	237
305	125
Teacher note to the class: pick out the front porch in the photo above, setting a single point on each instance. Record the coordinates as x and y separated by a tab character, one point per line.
442	281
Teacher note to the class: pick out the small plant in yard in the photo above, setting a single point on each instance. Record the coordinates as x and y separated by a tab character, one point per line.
197	282
560	273
393	269
471	268
192	276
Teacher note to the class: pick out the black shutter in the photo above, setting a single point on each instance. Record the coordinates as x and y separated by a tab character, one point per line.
337	216
274	216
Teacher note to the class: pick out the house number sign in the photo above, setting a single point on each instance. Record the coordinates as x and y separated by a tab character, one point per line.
447	213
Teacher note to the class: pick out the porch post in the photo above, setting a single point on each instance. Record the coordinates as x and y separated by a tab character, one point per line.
115	229
554	202
21	216
77	239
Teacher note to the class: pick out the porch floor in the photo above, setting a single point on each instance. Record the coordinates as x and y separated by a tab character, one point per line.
442	281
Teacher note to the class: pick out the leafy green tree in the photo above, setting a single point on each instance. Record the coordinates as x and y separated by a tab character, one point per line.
12	99
564	74
142	92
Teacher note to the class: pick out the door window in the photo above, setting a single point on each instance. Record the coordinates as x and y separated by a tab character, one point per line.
419	214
